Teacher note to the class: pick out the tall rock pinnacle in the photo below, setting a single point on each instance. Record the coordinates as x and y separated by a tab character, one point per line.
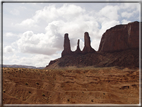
77	51
67	48
87	48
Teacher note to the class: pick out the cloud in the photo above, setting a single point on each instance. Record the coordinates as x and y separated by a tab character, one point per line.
28	22
75	23
38	43
51	13
125	21
71	19
129	10
130	6
9	34
37	60
106	25
109	12
15	12
126	14
8	49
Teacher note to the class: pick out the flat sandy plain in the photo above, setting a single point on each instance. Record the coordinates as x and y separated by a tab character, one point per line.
107	85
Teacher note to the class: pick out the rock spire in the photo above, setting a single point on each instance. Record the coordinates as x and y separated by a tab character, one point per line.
67	48
78	51
87	46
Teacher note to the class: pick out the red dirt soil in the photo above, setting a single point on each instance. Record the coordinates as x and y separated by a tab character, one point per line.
106	85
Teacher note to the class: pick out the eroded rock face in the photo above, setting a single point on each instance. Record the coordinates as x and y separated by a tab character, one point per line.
78	51
67	48
87	46
120	37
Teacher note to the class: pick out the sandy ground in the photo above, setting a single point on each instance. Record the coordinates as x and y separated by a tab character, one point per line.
108	85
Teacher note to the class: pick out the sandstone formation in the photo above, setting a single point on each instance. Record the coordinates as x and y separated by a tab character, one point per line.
67	48
119	47
87	47
78	51
120	37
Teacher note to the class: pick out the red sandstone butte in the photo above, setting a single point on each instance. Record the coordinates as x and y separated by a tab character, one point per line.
120	37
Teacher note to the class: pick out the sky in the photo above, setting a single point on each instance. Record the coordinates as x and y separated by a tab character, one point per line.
33	33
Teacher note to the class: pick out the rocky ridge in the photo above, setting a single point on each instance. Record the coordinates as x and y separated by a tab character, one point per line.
21	66
119	46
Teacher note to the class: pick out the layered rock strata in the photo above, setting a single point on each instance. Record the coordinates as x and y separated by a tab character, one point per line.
120	37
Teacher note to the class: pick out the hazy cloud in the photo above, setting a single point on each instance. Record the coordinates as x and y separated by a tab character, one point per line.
9	34
15	12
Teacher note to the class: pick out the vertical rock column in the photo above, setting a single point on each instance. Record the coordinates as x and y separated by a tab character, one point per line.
87	48
67	48
78	51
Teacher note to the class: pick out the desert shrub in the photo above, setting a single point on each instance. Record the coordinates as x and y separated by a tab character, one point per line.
124	87
37	83
43	94
3	91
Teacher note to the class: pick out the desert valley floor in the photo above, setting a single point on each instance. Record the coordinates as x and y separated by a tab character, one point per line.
106	85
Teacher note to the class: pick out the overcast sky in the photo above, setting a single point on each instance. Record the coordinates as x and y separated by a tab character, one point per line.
33	33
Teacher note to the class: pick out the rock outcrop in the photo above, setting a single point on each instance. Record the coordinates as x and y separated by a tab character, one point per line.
119	47
87	46
78	51
120	37
67	48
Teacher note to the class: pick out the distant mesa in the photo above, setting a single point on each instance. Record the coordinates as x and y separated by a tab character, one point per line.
87	46
21	66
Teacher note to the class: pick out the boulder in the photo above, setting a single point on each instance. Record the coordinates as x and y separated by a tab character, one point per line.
87	46
120	37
